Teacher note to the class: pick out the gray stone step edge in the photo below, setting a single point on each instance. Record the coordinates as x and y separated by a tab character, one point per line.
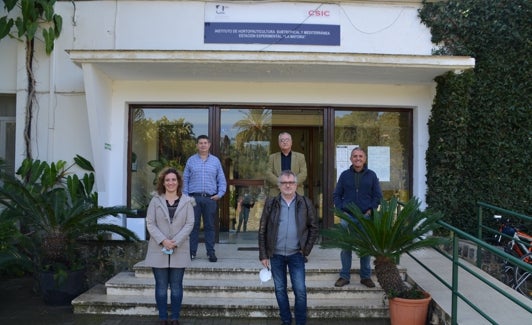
203	271
125	283
95	301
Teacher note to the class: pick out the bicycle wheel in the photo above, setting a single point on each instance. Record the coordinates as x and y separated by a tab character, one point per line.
508	274
508	269
523	279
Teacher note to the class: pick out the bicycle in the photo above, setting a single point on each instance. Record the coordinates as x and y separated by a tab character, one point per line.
517	242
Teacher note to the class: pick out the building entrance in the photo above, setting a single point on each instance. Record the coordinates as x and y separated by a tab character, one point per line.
243	137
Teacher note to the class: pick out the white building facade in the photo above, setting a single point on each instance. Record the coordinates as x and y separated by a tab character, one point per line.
127	77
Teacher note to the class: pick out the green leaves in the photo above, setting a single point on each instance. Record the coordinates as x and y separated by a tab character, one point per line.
10	4
392	230
479	146
49	36
58	208
5	26
34	14
83	163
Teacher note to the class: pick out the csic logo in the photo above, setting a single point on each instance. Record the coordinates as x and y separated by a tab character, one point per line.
319	13
220	9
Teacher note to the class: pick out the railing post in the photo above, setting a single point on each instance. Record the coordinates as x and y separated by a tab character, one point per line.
454	285
479	236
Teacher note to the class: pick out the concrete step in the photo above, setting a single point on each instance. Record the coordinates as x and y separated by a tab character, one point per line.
230	288
126	283
96	301
233	271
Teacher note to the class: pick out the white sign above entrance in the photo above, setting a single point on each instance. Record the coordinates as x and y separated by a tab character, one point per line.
272	23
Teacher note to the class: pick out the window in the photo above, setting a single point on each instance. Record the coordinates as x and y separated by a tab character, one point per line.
160	137
386	138
7	130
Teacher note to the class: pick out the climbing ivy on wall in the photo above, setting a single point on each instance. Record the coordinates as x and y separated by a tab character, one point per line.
481	123
22	20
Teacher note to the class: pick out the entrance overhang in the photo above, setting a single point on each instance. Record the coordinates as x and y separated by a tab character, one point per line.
270	66
101	68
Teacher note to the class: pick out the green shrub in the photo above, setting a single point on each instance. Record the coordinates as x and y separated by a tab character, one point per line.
481	122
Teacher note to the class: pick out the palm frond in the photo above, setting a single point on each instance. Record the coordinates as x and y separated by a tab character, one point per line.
392	231
57	208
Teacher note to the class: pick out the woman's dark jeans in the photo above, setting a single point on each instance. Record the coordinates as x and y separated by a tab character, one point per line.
163	278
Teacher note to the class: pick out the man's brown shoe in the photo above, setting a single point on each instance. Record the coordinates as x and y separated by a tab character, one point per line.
368	283
341	282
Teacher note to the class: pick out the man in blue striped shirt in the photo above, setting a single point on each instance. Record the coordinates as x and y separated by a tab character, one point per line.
204	179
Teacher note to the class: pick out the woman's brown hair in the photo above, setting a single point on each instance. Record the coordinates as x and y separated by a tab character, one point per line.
162	175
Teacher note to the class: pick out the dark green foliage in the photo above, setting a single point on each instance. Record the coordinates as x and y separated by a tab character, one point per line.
391	232
55	209
13	258
162	163
481	122
34	15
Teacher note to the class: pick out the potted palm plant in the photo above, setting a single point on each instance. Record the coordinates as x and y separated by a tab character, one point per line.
393	230
56	209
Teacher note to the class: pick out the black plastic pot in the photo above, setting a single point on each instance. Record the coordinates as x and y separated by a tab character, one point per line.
62	293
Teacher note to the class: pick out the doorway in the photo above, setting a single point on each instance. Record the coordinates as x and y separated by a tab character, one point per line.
248	136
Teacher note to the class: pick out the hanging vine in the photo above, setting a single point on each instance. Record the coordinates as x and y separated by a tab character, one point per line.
22	21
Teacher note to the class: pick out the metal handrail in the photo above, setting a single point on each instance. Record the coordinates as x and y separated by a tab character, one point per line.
456	234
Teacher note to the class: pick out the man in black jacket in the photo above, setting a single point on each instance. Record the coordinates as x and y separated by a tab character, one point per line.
288	230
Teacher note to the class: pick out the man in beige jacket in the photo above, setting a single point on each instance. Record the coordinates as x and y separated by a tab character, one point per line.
286	159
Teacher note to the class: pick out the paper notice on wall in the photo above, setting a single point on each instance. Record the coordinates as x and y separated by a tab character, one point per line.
379	162
343	158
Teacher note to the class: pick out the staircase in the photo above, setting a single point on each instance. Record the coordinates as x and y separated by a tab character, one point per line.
231	288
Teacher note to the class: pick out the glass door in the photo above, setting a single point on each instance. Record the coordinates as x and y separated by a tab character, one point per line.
248	135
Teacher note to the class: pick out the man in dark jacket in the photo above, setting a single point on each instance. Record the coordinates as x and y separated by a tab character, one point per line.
287	232
358	185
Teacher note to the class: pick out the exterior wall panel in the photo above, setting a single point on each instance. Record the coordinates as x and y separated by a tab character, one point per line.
82	108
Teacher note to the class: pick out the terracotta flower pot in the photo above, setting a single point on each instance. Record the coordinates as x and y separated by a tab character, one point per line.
409	311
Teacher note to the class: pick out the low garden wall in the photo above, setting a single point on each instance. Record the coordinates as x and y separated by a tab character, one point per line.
106	258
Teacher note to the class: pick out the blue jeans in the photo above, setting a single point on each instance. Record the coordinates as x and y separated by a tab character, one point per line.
163	277
243	217
296	267
206	208
346	257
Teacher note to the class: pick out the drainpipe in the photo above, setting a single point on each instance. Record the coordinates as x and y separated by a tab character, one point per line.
51	109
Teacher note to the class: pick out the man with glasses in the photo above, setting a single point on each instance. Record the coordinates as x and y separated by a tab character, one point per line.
287	232
286	159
